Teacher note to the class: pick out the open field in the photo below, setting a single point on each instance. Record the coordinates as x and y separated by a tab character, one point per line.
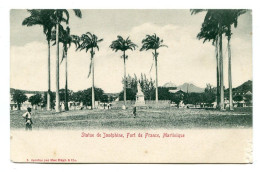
146	118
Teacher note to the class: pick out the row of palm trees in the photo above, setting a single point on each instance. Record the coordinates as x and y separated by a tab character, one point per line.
215	24
51	21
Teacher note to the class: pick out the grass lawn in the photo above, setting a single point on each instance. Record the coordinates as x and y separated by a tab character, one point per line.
146	118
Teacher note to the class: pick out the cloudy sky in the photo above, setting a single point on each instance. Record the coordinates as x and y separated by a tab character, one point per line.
185	60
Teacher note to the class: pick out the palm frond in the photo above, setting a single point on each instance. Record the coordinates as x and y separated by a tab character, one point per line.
78	13
152	42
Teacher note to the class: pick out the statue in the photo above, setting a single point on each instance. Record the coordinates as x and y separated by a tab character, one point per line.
139	96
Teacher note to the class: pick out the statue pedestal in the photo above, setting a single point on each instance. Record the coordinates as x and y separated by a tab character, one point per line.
139	98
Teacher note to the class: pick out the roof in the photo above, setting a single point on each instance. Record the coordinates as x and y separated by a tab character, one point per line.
175	91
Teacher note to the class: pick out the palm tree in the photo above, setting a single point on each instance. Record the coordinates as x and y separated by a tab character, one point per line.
153	42
43	18
90	41
224	19
217	16
230	19
123	45
58	14
209	32
66	39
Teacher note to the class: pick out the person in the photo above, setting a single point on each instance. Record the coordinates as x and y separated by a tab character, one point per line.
134	112
28	119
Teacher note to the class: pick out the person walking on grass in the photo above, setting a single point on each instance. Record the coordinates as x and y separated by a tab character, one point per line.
28	119
134	111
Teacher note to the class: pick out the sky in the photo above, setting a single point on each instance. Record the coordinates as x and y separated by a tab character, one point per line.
186	59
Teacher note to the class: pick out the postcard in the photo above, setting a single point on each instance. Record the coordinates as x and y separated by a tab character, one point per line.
131	86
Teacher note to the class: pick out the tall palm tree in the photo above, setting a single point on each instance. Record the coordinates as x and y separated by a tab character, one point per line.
217	16
123	45
90	41
58	18
224	20
66	39
43	18
230	19
153	42
209	32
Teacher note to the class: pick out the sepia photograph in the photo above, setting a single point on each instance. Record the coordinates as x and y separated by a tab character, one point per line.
131	85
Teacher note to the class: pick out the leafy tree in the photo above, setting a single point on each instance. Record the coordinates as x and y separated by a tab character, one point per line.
176	98
19	97
104	98
147	86
85	96
35	99
123	45
209	95
65	95
90	41
192	98
238	98
130	94
164	94
43	18
248	98
153	42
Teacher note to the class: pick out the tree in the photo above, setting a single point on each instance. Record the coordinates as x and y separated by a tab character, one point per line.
230	19
153	42
35	99
58	18
104	98
209	32
123	45
248	98
238	98
43	18
223	19
65	95
147	87
52	99
90	41
177	98
19	97
130	94
209	95
215	17
85	96
66	39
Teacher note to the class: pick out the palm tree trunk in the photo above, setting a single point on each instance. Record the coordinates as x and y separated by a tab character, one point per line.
222	103
57	70
217	70
124	81
156	77
93	87
49	79
66	82
230	77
